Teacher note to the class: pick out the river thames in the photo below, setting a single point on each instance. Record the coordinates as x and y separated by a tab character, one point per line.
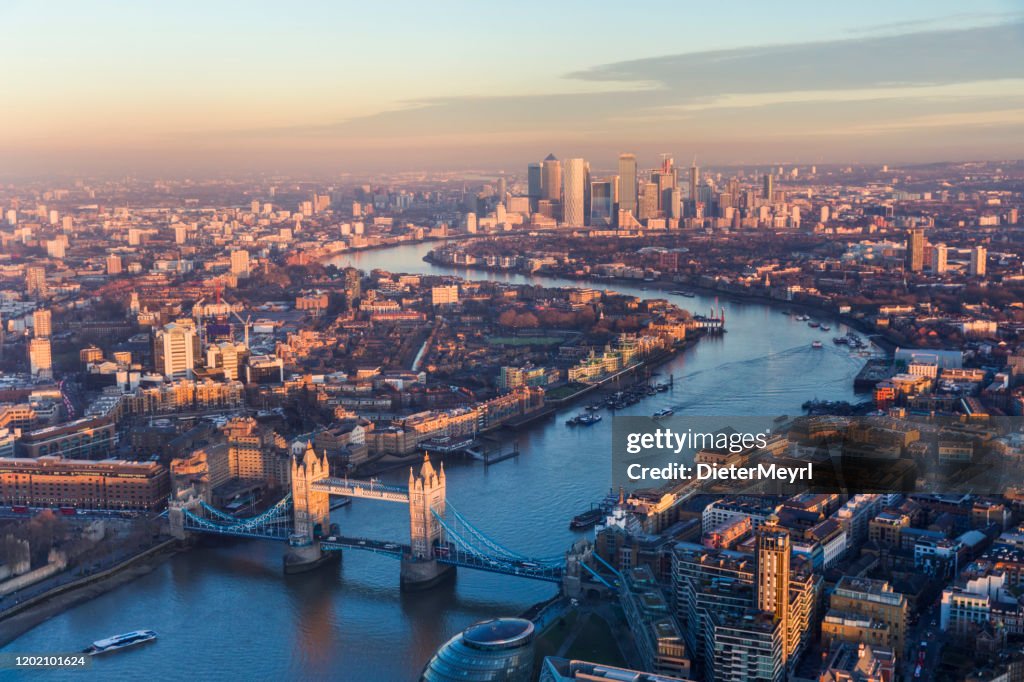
229	613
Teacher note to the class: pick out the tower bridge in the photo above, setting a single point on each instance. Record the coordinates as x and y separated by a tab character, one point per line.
440	538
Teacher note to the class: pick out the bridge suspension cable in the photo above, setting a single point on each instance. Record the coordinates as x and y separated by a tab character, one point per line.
496	550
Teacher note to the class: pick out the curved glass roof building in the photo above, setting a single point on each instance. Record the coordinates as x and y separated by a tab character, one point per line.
498	650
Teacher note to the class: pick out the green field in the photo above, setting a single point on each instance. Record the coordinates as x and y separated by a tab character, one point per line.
595	642
565	391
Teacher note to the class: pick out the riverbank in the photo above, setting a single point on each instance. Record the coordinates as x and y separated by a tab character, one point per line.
22	617
663	286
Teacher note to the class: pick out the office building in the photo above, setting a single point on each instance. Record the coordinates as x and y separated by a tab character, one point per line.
499	650
551	179
534	185
175	349
575	182
229	357
858	663
767	191
694	181
554	669
627	183
257	453
648	201
602	204
656	633
865	611
86	438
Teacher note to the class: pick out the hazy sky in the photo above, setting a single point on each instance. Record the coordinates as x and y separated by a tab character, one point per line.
344	86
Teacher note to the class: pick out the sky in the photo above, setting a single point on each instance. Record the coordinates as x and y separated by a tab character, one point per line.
228	86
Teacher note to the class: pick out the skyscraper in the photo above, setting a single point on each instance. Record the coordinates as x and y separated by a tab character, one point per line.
772	576
979	254
694	179
551	182
175	349
648	201
772	585
601	203
915	250
766	187
674	209
627	183
574	193
114	264
534	185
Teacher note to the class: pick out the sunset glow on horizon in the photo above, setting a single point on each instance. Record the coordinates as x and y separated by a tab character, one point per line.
252	86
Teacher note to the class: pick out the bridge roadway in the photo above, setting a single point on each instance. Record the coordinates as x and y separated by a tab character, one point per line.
371	490
450	555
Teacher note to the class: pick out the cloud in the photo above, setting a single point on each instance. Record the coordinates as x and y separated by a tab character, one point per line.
915	59
888	72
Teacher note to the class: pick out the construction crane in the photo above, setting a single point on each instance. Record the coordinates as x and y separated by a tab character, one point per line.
246	323
197	315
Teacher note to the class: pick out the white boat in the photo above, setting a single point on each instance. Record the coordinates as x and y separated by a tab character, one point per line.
128	639
667	412
816	344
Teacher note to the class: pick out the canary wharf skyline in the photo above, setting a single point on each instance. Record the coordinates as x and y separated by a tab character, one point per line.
258	87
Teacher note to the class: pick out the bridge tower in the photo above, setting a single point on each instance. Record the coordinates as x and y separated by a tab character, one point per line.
420	569
312	512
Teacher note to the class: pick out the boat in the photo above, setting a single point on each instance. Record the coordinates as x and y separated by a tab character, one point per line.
588	419
813	324
128	639
826	328
802	318
839	340
586	519
816	344
662	387
667	412
573	421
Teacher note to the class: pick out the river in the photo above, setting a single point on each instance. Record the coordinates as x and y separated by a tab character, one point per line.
229	613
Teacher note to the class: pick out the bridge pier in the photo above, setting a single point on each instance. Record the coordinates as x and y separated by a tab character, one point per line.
422	574
176	508
308	557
